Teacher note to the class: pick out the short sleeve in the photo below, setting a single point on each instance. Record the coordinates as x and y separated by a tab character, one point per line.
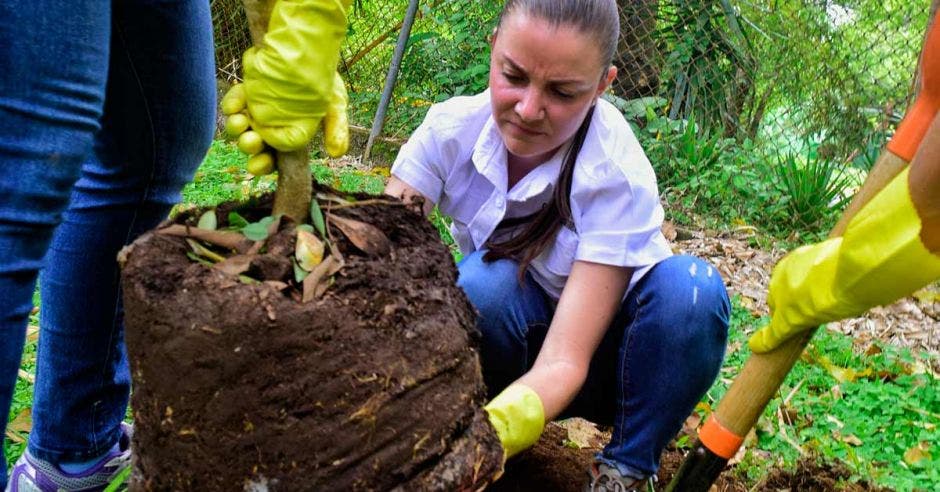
618	216
420	161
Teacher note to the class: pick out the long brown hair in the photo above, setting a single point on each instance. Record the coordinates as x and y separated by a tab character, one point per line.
599	19
544	224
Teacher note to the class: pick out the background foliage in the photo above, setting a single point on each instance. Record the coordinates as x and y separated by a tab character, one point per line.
752	112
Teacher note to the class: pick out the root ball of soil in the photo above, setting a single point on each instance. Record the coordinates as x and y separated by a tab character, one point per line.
375	385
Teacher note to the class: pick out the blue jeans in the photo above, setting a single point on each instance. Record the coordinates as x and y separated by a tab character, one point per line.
106	110
659	356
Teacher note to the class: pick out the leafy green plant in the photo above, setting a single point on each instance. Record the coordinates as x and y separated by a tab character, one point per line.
875	408
813	187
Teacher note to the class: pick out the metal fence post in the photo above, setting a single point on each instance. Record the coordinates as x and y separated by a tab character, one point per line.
391	77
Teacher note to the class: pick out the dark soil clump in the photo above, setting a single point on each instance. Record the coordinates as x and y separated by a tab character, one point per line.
239	386
557	464
812	476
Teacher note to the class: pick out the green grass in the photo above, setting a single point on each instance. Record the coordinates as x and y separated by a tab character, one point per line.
16	433
866	409
876	411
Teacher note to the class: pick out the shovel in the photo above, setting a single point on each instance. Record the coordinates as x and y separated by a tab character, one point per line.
723	432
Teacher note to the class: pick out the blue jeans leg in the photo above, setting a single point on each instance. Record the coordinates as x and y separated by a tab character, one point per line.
659	356
156	125
674	327
53	65
508	313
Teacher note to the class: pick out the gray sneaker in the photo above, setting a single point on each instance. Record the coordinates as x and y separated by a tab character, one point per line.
31	474
605	478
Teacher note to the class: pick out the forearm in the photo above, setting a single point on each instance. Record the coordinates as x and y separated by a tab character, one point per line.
587	307
408	194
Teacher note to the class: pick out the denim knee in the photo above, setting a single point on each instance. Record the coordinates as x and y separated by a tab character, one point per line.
694	292
506	311
488	285
691	307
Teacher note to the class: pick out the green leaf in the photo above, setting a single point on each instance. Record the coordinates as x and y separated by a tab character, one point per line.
245	279
208	221
198	259
305	227
316	216
119	480
299	273
237	221
258	231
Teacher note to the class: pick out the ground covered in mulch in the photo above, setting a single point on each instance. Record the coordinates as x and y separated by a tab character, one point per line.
912	322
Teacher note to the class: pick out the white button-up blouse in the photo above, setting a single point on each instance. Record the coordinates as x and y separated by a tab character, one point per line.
457	159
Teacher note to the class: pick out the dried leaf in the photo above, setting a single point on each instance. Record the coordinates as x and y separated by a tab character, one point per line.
366	237
917	453
14	437
583	434
321	289
843	374
850	439
320	273
235	265
23	421
208	221
308	250
277	284
32	333
333	198
225	239
26	376
669	230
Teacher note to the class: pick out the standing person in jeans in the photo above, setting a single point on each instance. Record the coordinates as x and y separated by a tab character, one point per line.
106	111
583	308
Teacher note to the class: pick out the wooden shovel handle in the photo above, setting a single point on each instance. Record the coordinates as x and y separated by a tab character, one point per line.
294	184
763	374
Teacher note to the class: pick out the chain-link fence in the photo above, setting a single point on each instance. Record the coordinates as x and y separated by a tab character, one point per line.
836	73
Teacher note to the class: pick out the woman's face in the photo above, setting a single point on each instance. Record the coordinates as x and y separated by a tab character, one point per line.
543	80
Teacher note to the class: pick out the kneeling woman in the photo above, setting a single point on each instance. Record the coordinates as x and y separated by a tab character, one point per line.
583	308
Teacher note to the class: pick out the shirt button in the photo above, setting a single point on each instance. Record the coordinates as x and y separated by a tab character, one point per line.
499	202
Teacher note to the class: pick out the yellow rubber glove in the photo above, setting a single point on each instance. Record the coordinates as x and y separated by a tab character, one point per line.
878	260
518	417
291	84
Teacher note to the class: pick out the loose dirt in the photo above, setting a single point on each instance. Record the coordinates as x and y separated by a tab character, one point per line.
560	460
239	386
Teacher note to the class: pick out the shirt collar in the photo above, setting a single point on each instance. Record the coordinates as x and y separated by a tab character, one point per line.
489	159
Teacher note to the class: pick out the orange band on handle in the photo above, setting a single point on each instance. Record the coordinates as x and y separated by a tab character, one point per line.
719	439
911	131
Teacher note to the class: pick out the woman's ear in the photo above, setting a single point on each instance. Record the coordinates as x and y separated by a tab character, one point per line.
492	36
606	80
